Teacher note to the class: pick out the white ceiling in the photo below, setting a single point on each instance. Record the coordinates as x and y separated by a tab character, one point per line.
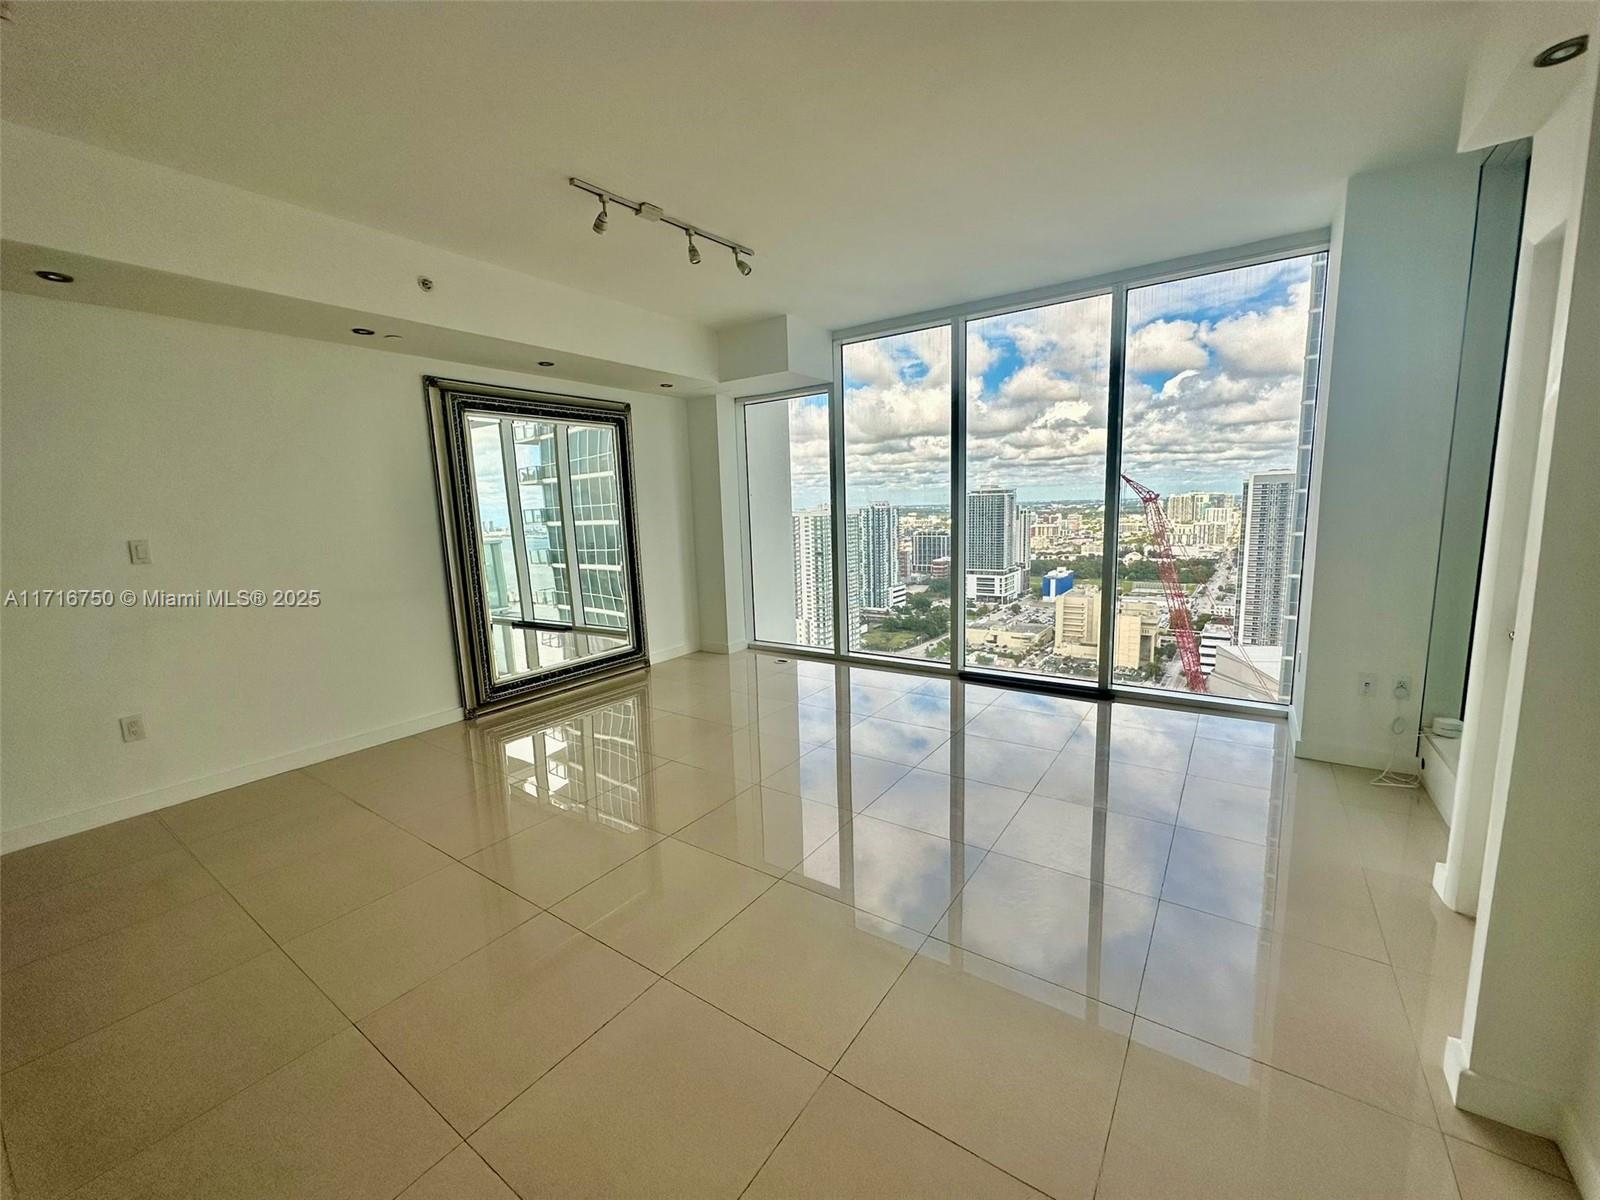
881	159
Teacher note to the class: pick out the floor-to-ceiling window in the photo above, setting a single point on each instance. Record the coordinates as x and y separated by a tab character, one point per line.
1218	402
1036	402
1191	393
790	520
896	409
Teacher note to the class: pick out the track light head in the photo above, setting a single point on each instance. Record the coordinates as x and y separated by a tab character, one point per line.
744	267
694	251
601	221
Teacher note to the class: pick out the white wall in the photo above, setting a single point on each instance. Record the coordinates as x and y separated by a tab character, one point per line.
1527	1052
1403	258
248	460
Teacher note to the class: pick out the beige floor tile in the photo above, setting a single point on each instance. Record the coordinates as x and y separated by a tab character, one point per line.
51	864
1484	1176
1230	809
1250	731
48	922
1434	1008
285	796
338	1123
1019	1072
1252	766
1083	936
1356	788
803	969
816	776
1044	730
1138	745
1399	843
85	1108
1330	1017
1327	903
848	1146
672	1098
55	1000
340	878
989	761
1221	875
932	709
1108	847
1138	791
289	837
473	1037
973	812
676	794
366	958
465	738
1064	708
1421	934
459	1175
460	810
1197	1122
658	907
403	756
902	875
765	829
894	741
555	858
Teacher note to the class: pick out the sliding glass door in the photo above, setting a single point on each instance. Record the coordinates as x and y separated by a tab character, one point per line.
896	459
1037	387
1111	493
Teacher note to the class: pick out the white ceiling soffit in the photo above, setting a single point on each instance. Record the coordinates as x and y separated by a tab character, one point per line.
880	159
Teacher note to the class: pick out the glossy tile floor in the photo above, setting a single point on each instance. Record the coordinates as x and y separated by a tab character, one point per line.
759	928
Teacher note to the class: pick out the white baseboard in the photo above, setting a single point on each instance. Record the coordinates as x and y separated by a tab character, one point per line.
1504	1100
1580	1144
134	806
663	653
1353	756
1439	781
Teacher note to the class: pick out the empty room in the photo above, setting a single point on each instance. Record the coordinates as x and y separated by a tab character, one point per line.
800	599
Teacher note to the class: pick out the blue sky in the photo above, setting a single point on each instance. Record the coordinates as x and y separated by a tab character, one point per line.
1213	387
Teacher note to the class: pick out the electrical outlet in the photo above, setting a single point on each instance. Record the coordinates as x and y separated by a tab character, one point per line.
1369	684
132	728
139	552
1402	686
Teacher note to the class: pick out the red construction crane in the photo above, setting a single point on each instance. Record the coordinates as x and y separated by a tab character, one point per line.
1177	602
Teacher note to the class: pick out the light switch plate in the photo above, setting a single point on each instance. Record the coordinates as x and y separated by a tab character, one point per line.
132	728
139	552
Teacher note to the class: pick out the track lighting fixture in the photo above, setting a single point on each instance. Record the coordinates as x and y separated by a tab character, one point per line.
653	212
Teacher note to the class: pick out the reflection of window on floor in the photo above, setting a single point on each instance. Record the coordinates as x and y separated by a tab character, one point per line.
590	763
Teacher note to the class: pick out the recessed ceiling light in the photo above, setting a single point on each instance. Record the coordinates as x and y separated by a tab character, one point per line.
1562	52
53	277
545	362
663	385
361	331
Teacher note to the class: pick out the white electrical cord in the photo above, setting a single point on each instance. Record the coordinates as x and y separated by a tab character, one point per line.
1389	777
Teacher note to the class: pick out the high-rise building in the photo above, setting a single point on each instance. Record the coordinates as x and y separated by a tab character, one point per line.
881	587
597	525
1264	554
995	570
926	548
1078	629
813	577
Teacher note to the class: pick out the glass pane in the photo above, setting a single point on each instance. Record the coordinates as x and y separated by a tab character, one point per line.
1217	419
791	529
897	487
597	527
1037	385
539	483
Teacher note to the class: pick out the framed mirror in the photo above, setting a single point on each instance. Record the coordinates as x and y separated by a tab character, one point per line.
537	510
